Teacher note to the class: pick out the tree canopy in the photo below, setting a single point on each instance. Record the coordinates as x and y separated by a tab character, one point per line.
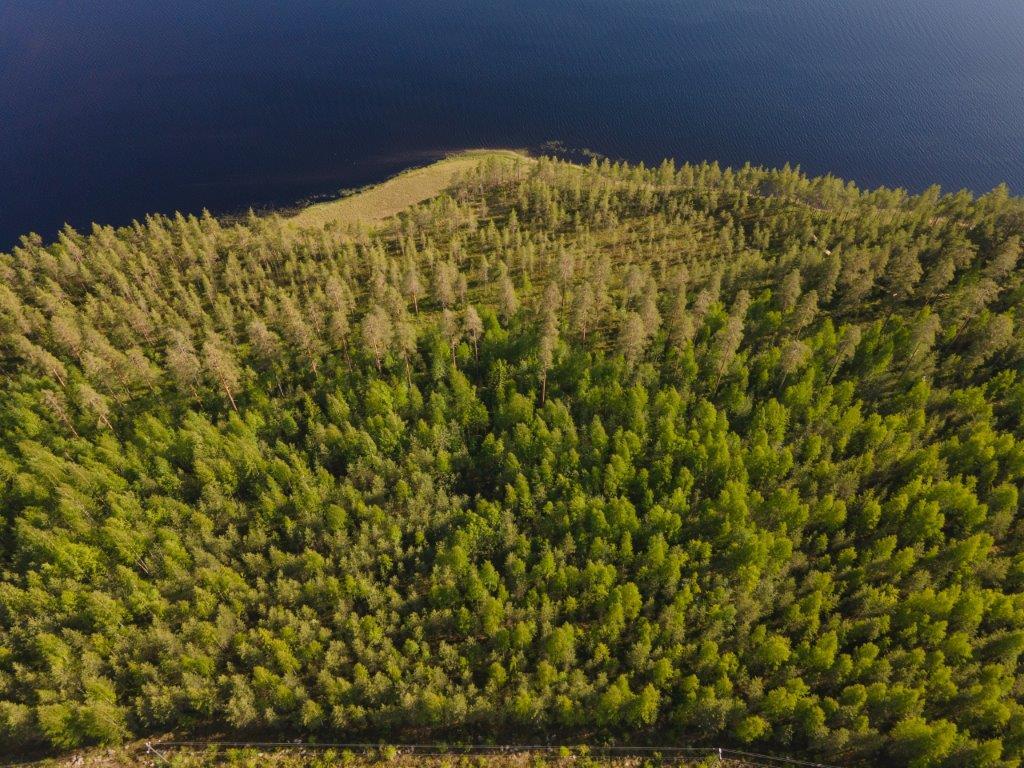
687	454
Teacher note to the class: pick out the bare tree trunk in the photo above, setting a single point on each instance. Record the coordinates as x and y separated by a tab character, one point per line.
910	359
231	397
835	367
70	425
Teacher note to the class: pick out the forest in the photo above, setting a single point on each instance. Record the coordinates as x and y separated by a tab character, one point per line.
674	455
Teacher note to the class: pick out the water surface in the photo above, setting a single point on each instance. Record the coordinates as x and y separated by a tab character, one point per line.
109	110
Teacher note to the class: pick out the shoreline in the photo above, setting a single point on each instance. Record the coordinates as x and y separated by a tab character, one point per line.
375	202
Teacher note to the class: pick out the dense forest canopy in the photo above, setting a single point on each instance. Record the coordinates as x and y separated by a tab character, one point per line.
678	455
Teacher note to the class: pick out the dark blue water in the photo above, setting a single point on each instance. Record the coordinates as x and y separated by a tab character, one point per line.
109	110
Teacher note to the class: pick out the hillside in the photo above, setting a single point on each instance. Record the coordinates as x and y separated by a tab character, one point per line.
597	454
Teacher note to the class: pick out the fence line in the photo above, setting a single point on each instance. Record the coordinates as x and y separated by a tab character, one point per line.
733	756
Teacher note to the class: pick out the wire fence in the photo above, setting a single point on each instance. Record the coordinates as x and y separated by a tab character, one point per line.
667	754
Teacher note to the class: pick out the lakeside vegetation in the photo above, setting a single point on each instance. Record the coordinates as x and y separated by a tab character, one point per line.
684	455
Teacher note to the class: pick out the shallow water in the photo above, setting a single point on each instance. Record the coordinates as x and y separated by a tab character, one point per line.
109	110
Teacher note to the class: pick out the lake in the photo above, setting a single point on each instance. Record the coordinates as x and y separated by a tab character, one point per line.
110	110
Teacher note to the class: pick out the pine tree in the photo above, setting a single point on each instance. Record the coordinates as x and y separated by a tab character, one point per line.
632	338
473	327
445	278
904	273
377	334
922	338
404	337
451	329
551	301
848	342
832	268
633	284
183	362
726	344
679	321
857	278
582	310
40	359
940	276
298	331
266	344
546	352
794	354
508	300
789	290
57	403
649	308
220	366
412	284
994	336
1004	260
339	308
566	267
806	310
94	402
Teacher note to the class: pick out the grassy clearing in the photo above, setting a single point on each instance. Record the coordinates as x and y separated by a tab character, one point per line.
399	192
